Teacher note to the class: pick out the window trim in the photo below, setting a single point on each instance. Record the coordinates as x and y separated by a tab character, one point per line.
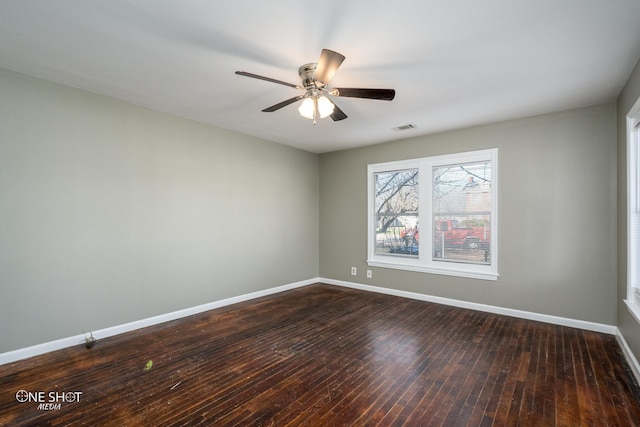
633	183
424	263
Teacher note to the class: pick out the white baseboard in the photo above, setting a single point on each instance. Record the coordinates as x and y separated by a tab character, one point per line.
628	354
24	353
556	320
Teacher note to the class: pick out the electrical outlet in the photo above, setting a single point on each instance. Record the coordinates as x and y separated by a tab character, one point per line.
353	271
369	274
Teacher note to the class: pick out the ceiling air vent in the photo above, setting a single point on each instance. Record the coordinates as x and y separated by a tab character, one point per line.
405	127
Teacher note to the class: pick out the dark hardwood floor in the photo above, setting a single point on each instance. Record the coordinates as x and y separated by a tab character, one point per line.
329	356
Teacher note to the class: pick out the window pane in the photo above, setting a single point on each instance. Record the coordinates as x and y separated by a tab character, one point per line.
462	213
396	213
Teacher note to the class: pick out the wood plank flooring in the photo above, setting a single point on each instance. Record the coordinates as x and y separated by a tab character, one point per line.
328	356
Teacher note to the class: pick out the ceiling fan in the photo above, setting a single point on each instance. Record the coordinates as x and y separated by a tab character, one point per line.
315	79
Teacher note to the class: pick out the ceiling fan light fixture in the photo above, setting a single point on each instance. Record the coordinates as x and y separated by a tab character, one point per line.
308	107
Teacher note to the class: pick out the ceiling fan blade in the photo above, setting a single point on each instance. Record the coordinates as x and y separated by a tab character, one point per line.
328	64
283	104
337	114
268	79
383	94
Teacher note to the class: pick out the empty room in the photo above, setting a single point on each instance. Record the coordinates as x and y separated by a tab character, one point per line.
346	213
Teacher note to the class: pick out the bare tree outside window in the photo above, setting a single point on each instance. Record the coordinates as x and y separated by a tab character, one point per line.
396	212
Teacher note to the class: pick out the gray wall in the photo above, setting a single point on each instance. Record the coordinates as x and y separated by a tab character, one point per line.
111	213
557	214
627	325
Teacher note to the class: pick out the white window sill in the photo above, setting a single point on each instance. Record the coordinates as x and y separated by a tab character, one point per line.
634	309
471	274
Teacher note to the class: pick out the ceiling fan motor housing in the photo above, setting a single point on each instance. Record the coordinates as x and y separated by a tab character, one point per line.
306	72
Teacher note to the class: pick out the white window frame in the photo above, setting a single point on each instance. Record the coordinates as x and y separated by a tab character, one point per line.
424	262
633	211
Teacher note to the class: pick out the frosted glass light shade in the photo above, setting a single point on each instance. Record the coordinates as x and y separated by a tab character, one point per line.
306	108
325	107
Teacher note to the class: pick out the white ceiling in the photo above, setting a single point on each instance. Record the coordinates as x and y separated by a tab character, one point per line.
453	63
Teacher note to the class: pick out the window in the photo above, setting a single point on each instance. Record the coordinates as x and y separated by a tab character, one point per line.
396	212
435	214
633	211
